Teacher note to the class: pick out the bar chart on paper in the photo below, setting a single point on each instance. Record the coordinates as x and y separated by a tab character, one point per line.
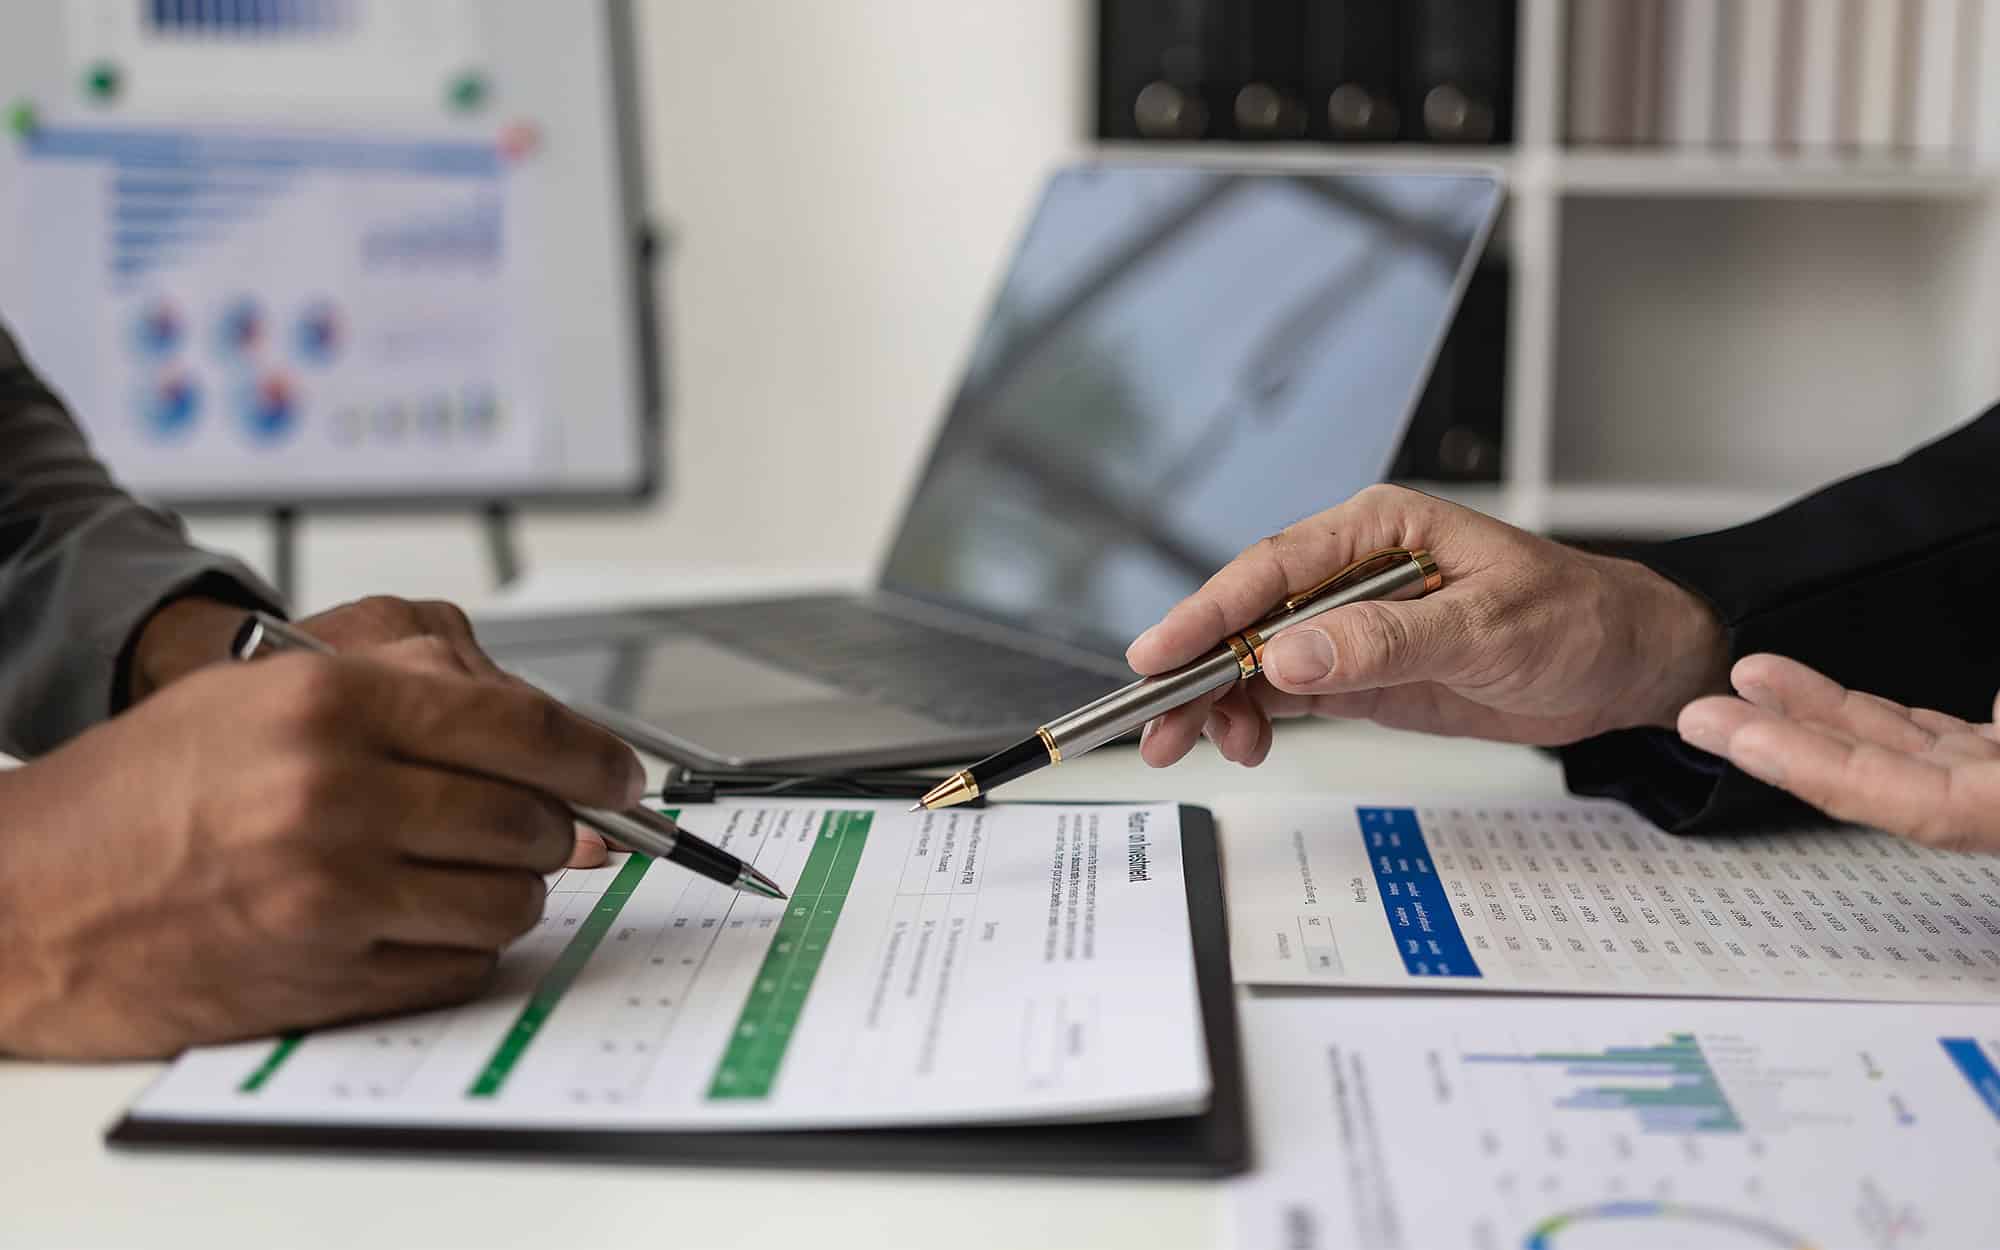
1581	896
976	965
1566	1124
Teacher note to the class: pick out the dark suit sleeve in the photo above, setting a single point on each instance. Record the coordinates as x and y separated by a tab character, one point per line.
1885	582
82	566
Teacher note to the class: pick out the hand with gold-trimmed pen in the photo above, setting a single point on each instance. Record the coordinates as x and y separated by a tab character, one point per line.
1388	574
1529	640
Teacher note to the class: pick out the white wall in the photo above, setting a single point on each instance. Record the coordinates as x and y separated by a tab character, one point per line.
841	183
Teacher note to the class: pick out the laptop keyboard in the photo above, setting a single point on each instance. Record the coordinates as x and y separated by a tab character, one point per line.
903	663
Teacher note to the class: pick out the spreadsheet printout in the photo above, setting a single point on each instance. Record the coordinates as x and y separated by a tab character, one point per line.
1453	1122
1584	896
1007	963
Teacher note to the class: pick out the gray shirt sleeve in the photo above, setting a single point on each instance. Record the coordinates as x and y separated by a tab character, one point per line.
82	566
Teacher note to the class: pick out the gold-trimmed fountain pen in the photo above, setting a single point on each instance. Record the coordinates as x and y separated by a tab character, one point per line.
1392	573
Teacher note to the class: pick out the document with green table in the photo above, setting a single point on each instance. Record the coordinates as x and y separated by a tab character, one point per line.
1010	964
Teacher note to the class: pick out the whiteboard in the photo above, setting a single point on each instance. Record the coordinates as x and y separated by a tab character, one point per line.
324	251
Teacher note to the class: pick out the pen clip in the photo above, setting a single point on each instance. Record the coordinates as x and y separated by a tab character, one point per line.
1367	566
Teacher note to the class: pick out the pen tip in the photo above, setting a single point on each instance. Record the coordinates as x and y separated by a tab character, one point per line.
917	806
757	883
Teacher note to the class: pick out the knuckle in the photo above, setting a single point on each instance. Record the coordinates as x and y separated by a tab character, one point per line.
1268	548
468	976
552	835
462	975
384	611
314	692
433	651
447	617
313	901
519	907
303	792
1382	637
1384	495
553	727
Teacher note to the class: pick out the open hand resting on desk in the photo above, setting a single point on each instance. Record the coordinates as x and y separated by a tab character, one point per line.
1926	775
262	847
1527	641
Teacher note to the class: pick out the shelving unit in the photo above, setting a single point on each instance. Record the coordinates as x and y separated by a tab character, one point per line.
1699	336
1696	337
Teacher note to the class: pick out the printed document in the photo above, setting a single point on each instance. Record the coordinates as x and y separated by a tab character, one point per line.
1010	963
1583	896
1441	1122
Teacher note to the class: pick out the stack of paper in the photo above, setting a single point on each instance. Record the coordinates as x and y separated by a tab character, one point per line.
1018	963
1454	1119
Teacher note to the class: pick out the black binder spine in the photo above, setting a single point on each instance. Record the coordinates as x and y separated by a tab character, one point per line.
1457	433
1350	68
1267	69
1160	69
1458	70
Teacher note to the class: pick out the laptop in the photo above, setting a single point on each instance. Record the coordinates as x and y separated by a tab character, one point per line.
1182	359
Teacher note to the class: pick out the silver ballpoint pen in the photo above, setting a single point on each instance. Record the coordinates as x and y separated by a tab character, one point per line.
637	828
1393	573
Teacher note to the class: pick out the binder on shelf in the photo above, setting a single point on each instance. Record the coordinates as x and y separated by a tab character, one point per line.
1815	86
1599	73
1648	21
1690	42
1267	66
1983	87
1159	69
1874	91
1458	71
1350	69
1755	79
1940	109
1457	431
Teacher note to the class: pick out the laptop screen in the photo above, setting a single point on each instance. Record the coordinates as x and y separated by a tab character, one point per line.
1181	361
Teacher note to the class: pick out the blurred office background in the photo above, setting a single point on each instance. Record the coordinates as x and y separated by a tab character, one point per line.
1749	246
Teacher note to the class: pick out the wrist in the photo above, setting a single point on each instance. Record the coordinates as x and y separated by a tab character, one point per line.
25	985
1683	650
182	636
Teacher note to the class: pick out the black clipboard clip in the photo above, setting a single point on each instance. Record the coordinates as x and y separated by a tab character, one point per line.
694	785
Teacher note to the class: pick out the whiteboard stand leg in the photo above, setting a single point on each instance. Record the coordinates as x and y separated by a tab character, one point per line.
503	551
285	553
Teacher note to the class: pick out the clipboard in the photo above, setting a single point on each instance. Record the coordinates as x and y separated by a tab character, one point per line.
1213	1144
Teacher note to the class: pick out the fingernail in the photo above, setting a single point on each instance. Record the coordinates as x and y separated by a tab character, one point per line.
1216	727
1300	657
635	779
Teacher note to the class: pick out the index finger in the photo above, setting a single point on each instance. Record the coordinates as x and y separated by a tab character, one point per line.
1245	590
508	731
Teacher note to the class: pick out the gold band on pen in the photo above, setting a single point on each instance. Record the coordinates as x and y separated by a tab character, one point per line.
1049	743
1246	655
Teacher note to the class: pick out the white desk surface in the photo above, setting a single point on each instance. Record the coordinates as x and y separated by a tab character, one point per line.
60	1186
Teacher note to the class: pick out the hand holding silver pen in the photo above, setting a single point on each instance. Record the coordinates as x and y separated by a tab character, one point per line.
637	827
1391	573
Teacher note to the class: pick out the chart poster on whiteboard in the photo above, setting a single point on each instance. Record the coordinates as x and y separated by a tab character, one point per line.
321	248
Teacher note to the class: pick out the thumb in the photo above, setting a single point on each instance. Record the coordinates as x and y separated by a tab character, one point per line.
1364	646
